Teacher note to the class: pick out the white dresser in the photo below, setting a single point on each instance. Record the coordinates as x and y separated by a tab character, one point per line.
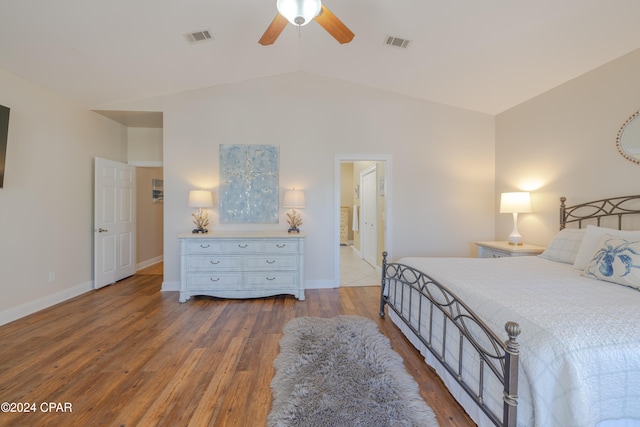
241	264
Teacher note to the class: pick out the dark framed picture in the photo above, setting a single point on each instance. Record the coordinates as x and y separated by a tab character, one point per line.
157	190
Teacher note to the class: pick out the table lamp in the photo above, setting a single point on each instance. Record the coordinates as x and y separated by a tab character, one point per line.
294	199
514	203
200	199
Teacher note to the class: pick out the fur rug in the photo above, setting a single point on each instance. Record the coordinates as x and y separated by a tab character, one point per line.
339	372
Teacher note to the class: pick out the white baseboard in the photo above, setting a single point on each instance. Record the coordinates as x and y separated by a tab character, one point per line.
149	262
31	307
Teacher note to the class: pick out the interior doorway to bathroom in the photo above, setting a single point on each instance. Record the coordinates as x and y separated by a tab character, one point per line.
362	209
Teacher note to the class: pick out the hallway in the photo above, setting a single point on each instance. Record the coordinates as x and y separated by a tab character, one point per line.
354	271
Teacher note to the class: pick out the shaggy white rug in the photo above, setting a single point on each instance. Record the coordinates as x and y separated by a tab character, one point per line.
339	372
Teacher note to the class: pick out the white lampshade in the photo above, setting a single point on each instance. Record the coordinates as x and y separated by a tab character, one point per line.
299	12
519	202
200	199
294	199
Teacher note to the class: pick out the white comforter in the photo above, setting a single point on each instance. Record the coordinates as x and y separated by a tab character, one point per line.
580	341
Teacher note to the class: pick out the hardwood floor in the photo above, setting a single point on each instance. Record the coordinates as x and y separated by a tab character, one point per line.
130	355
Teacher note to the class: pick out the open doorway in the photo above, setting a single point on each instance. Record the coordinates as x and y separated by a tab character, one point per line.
150	217
363	210
145	130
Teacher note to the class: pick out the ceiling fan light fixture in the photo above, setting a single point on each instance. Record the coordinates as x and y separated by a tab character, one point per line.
299	12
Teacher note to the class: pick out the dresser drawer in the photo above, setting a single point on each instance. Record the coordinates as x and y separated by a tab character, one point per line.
276	278
243	246
204	247
213	280
214	263
268	262
281	246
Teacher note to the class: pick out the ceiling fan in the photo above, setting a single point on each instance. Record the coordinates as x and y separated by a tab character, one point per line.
301	12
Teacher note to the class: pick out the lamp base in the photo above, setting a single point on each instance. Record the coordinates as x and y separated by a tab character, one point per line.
515	238
293	230
199	230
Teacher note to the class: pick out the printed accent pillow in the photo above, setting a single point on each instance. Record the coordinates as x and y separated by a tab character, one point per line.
591	242
616	260
564	246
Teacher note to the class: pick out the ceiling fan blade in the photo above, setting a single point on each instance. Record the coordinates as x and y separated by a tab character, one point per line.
274	30
334	26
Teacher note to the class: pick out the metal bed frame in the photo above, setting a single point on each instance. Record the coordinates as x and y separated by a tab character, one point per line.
496	357
598	209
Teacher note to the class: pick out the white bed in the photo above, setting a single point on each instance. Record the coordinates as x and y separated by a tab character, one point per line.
579	360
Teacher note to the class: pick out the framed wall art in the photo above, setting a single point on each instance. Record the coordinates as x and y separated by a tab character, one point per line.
157	190
249	184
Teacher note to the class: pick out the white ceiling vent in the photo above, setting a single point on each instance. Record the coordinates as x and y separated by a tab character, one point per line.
198	36
397	42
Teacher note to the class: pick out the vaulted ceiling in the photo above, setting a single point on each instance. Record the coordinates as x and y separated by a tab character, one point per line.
482	55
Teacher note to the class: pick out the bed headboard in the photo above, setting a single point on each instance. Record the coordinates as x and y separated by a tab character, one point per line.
599	209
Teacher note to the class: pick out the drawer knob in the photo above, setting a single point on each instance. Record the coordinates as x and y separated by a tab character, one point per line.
242	246
217	279
281	246
271	278
271	261
204	246
215	262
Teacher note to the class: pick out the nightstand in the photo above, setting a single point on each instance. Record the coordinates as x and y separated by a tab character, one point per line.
504	249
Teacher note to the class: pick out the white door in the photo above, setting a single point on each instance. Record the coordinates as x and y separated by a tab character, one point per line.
114	222
369	215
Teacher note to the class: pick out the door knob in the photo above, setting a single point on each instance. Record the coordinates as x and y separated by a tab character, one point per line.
102	230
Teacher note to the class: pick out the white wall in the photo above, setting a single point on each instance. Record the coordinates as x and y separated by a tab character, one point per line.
562	143
46	205
144	146
443	160
443	184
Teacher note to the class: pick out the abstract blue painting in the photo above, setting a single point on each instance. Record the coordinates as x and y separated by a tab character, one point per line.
249	184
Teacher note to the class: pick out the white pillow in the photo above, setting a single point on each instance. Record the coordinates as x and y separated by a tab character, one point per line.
616	260
564	246
591	242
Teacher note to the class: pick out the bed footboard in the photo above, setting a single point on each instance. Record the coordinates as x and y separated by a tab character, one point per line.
430	311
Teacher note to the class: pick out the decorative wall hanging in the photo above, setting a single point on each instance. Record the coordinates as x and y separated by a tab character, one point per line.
249	184
157	190
628	139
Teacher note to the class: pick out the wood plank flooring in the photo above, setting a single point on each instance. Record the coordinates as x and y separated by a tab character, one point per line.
130	355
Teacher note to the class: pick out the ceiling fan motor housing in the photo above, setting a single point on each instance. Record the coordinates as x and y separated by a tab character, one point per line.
299	12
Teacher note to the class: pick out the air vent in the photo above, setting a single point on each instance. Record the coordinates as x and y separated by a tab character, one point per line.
397	42
198	36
